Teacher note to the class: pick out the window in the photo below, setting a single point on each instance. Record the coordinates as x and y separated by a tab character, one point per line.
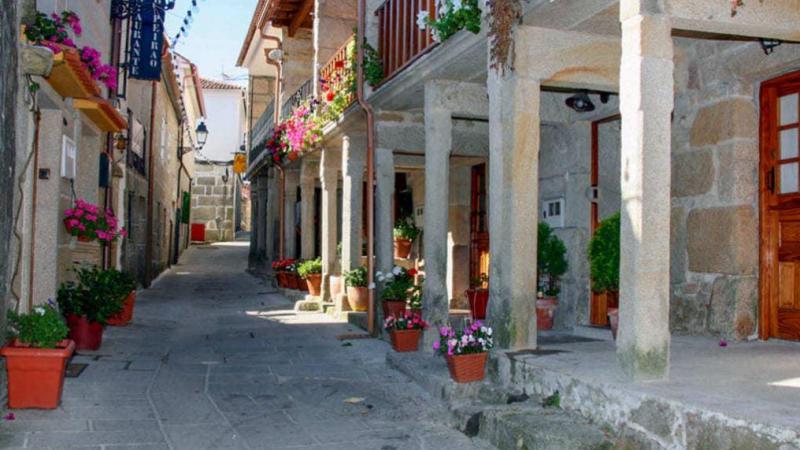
69	158
789	144
553	212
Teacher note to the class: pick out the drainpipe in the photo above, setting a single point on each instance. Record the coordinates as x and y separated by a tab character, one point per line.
360	36
275	120
148	249
35	180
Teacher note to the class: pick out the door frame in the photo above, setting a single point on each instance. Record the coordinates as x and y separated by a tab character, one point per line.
768	233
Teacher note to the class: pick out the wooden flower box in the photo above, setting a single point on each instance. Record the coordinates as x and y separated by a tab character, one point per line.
70	77
100	111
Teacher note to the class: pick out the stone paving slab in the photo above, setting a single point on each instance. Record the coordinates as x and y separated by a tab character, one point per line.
216	360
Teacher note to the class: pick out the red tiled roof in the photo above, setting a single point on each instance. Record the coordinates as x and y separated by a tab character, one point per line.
214	84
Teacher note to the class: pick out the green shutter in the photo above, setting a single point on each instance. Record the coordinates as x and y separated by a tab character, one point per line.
187	206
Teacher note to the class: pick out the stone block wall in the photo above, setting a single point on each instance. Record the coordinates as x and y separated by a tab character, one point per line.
213	199
715	207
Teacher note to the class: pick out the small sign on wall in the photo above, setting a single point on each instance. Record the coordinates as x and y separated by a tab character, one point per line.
69	158
553	213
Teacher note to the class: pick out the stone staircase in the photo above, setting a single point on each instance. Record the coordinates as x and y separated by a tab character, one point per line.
508	420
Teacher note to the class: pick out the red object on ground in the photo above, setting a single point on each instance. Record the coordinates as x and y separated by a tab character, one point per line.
394	308
199	232
36	375
478	299
545	307
87	335
123	317
314	284
467	368
405	340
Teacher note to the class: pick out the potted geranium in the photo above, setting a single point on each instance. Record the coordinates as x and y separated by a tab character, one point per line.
285	271
405	233
126	288
397	288
88	304
551	264
478	296
311	271
357	292
280	274
405	331
88	222
36	358
604	266
465	350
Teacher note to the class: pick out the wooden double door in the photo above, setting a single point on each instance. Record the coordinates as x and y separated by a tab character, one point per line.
780	208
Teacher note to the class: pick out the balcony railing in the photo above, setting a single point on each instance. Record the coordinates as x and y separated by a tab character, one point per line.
304	92
337	75
261	130
400	40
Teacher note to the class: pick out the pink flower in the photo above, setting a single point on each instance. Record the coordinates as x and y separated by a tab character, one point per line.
123	232
101	234
82	227
68	212
437	345
78	213
91	218
73	223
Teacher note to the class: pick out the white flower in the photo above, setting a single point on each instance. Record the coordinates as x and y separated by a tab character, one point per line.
435	35
39	310
488	331
389	276
380	276
371	286
397	270
422	20
456	5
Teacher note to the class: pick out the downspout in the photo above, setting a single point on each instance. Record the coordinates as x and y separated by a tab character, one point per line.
148	249
275	120
360	38
34	181
179	199
116	39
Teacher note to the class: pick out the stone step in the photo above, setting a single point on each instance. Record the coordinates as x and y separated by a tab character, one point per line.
504	418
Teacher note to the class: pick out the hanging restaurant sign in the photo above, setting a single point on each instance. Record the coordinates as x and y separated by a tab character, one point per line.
147	38
240	163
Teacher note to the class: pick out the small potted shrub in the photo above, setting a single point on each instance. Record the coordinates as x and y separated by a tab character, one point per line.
36	358
285	272
357	292
88	305
478	296
311	271
397	288
551	265
465	351
405	331
405	233
604	266
126	288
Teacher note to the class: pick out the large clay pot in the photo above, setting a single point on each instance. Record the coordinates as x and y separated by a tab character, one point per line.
402	248
405	340
36	375
394	308
478	300
301	283
280	277
292	281
613	320
467	368
314	284
124	317
358	298
87	335
545	308
336	285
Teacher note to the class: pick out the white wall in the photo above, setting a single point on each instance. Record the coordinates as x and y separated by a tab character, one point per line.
225	121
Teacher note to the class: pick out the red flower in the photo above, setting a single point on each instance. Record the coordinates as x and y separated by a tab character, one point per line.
339	64
329	96
411	272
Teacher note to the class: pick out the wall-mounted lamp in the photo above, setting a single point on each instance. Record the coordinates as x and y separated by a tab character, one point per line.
202	134
580	102
769	45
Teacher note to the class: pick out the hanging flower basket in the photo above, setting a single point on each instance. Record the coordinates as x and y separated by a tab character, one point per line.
70	77
467	368
405	340
465	350
405	331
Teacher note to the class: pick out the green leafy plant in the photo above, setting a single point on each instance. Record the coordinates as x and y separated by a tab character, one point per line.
356	277
551	261
604	255
453	16
98	294
42	328
415	298
373	66
309	267
398	284
405	228
479	282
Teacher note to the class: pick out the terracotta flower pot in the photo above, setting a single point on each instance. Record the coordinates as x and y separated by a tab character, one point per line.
336	285
280	278
36	375
301	283
291	281
358	298
402	248
394	308
415	311
123	317
314	284
545	307
478	300
291	156
467	368
405	340
87	335
613	320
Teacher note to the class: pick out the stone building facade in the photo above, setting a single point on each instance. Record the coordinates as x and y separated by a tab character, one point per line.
215	192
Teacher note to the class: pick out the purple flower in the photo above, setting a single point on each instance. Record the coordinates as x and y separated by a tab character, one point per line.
437	345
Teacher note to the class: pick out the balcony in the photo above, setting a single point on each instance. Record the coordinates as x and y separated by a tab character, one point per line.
400	41
338	75
303	93
261	130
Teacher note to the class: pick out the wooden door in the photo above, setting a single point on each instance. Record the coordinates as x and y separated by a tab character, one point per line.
780	208
479	225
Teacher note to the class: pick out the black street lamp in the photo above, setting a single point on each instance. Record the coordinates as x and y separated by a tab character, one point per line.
202	134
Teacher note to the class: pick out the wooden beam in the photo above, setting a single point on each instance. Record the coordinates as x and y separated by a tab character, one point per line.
301	16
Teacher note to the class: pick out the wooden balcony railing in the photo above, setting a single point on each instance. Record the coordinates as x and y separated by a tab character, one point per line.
400	40
337	74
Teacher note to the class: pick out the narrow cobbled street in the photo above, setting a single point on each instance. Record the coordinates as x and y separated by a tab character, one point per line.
215	360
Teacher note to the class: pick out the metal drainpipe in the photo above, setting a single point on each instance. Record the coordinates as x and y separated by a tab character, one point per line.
148	249
360	37
275	120
34	180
